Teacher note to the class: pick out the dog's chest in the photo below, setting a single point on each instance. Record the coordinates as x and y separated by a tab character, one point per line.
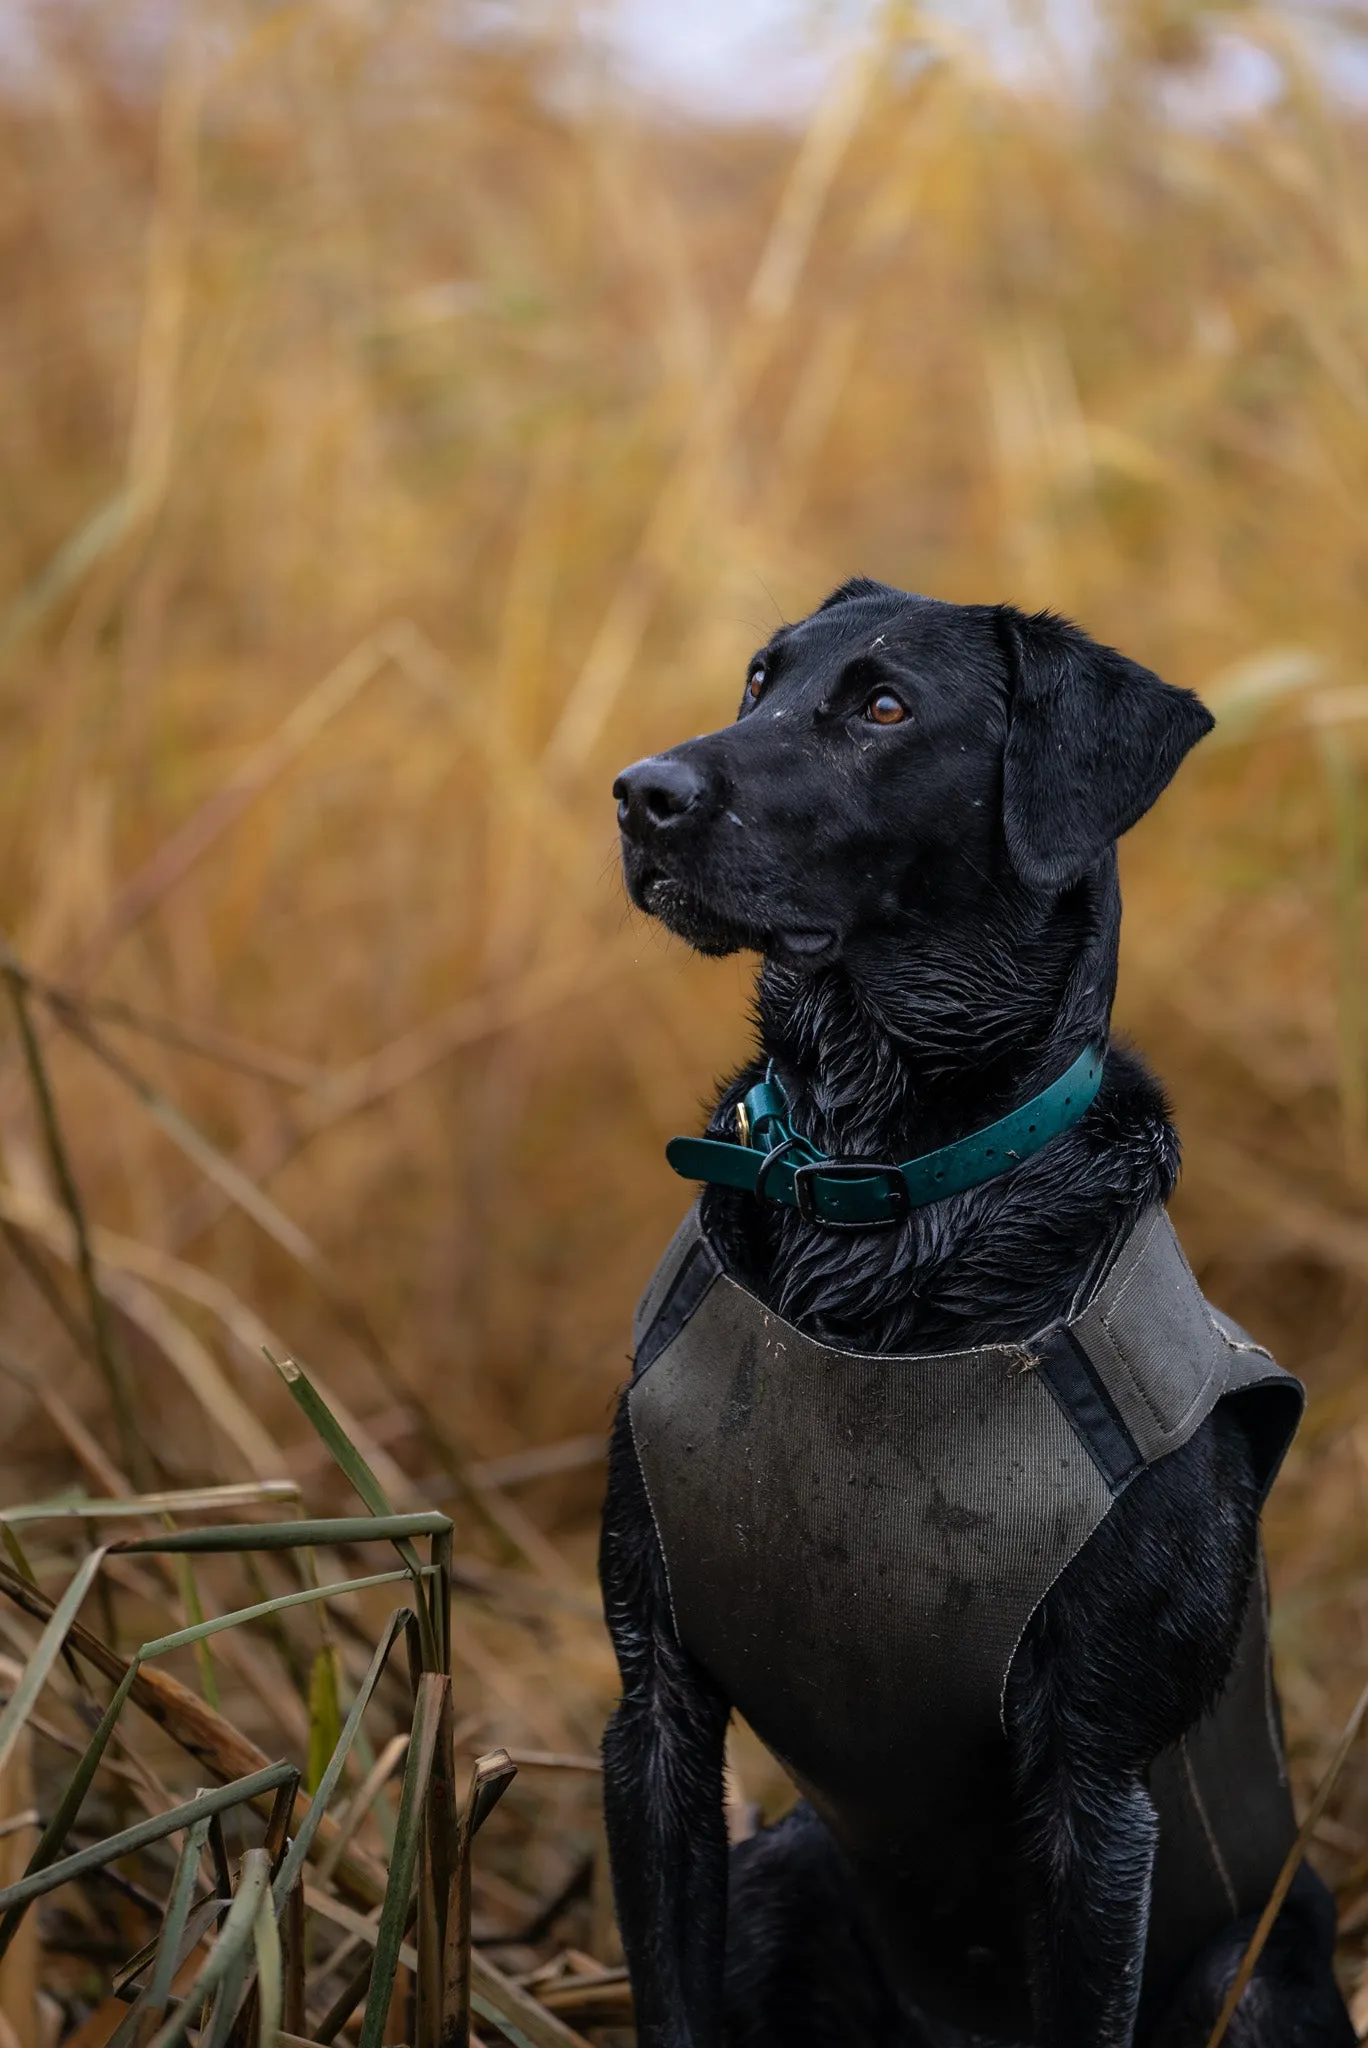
855	1544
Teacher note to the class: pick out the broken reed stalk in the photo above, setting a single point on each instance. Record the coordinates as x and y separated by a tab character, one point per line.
1250	1960
104	1337
436	1862
296	1960
489	1780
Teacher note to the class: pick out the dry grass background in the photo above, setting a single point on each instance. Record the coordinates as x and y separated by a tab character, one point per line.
399	430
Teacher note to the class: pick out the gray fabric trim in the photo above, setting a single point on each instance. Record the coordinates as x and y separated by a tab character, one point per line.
658	1286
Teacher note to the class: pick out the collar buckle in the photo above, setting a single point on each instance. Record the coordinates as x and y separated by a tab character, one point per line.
805	1179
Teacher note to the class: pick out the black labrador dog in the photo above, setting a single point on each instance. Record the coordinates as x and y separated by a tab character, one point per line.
913	821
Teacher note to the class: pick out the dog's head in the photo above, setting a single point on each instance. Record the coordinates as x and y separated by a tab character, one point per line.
895	753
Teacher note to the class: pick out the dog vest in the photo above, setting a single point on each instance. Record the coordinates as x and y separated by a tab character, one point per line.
855	1543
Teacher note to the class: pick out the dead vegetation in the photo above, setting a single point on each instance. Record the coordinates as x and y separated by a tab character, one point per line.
398	431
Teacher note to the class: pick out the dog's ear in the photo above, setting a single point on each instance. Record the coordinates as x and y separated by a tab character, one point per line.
1092	740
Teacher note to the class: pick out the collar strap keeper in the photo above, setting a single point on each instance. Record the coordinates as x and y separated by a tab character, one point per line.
773	1161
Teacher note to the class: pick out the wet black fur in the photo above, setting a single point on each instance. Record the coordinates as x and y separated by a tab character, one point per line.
937	908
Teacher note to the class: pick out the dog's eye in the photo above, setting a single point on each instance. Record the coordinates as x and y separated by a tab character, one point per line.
755	683
884	708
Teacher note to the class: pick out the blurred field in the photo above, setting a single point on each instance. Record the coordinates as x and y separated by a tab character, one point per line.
399	431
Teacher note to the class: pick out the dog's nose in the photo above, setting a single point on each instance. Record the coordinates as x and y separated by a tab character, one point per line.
655	793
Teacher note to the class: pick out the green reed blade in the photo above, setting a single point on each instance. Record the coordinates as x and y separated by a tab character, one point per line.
306	1597
9	1537
358	1473
177	1911
433	1690
229	1536
238	1931
344	1452
440	1597
177	1501
227	2007
49	1843
144	1834
190	1600
297	1853
130	2027
269	1974
325	1714
35	1675
516	2014
127	1975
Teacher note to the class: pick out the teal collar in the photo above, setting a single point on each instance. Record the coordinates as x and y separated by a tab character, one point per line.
771	1159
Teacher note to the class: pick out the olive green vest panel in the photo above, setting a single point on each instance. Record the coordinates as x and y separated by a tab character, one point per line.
855	1543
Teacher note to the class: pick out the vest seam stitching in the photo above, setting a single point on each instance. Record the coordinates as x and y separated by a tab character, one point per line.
1018	1350
1102	1336
655	1521
1109	1299
1115	1281
1168	1432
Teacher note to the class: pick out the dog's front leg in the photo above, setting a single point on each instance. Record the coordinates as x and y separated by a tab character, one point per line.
1130	1646
1088	1835
1090	1842
662	1781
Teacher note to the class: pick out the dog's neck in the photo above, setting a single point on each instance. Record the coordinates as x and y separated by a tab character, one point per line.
924	1035
925	1032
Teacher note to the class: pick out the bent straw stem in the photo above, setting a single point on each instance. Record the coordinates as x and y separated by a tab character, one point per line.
134	1451
1250	1960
